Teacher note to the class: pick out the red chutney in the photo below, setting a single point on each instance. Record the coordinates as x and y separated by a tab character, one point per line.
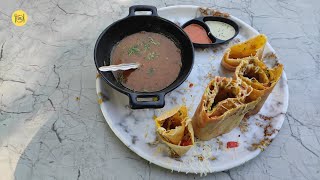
197	34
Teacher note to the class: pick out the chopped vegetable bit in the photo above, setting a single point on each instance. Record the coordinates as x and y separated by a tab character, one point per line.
121	77
154	117
150	71
152	55
100	101
151	40
213	158
186	142
134	50
232	144
146	46
200	158
267	73
171	123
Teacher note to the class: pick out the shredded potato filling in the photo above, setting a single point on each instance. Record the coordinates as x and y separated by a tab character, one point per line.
171	123
174	128
175	120
186	140
220	93
222	107
253	72
255	75
262	79
223	94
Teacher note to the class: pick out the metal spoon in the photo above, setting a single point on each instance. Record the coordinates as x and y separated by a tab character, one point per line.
118	67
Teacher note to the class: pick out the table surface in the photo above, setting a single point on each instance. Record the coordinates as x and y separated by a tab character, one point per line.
51	126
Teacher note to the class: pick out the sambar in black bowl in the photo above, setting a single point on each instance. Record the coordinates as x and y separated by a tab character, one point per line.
163	50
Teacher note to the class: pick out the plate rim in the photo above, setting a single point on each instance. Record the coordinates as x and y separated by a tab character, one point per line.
191	170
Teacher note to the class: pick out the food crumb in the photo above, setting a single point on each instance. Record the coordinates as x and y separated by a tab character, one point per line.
200	157
174	100
259	124
213	12
190	85
244	125
100	101
220	143
215	50
98	75
266	118
270	55
269	131
184	100
213	158
236	40
77	98
261	145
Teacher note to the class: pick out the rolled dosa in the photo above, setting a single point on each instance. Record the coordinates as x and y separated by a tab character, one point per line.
253	47
175	130
262	79
222	107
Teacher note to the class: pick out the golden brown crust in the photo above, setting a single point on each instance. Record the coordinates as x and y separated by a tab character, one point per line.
178	150
174	128
222	107
262	79
253	47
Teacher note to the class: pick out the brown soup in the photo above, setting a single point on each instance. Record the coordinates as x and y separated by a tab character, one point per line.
159	57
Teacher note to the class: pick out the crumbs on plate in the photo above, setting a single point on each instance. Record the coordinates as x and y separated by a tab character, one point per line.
213	12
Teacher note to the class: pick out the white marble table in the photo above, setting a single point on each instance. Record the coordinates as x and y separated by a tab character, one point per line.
51	126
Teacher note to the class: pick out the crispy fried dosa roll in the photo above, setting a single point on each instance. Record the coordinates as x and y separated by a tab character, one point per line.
262	79
175	129
242	51
222	107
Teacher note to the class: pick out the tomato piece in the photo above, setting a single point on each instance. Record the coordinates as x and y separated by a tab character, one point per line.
186	142
232	144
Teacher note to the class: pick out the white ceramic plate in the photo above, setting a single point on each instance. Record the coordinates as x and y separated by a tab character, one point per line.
136	128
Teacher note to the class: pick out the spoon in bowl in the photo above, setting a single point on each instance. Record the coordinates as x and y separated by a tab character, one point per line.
118	67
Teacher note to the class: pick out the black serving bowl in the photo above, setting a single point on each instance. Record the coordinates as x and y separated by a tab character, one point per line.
215	41
132	24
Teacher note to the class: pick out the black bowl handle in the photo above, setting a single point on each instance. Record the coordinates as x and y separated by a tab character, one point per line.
135	8
157	100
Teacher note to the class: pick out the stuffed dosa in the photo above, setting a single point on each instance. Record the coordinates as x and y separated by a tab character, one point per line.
242	51
262	79
175	129
222	107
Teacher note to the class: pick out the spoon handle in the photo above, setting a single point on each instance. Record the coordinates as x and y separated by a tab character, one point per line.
117	67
